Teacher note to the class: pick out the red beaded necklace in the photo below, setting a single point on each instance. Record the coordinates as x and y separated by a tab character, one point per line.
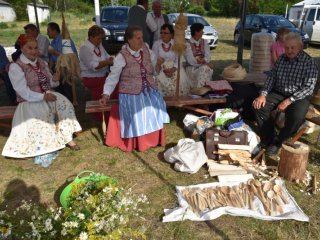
98	54
36	68
166	49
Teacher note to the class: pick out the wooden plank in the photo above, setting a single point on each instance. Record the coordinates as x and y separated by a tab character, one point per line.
198	110
313	118
94	106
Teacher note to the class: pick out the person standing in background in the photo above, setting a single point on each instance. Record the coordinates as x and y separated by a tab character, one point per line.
55	49
43	42
138	16
277	48
159	19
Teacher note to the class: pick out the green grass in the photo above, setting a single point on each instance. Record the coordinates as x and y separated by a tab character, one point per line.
146	172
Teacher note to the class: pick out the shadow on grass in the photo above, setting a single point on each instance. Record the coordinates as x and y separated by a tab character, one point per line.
57	193
16	191
154	171
217	231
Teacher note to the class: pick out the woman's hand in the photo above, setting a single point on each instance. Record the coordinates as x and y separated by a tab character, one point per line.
158	64
104	99
210	65
200	60
56	77
49	97
169	71
259	102
109	61
160	61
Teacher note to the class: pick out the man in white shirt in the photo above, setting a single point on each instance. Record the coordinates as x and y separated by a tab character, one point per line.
43	42
138	16
159	19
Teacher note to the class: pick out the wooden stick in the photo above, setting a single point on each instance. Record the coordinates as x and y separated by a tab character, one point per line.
104	125
314	184
198	110
178	78
259	155
299	134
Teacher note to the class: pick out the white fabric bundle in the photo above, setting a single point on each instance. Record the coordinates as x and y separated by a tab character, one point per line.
187	156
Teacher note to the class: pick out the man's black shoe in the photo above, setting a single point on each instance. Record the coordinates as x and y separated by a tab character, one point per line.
272	150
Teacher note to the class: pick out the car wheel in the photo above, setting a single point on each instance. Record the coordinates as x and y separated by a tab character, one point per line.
236	37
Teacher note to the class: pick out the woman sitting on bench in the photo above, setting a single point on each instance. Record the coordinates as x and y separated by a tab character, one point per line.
137	122
44	121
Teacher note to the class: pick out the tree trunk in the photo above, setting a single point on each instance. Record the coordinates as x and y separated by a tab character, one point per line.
293	161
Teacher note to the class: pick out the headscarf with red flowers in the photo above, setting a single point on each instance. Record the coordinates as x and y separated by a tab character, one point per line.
24	38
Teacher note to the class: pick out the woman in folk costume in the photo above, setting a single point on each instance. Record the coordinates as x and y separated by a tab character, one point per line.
94	62
167	64
137	122
44	121
199	68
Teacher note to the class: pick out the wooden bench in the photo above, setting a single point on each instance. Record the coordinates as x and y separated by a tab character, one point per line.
313	117
6	112
183	102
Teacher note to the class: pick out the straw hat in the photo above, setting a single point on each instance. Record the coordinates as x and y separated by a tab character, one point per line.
234	72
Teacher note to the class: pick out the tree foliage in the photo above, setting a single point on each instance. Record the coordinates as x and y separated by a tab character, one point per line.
214	8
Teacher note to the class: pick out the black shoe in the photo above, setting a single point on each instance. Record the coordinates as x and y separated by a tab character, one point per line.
272	150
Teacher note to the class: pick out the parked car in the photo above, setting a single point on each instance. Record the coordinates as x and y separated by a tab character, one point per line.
271	23
209	32
114	21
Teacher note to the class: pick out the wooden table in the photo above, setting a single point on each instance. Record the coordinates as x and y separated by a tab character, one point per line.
7	112
182	102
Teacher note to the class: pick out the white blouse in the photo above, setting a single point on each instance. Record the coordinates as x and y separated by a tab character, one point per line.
159	51
90	58
118	64
19	81
189	54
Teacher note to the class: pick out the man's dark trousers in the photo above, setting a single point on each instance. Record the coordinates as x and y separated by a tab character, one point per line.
294	118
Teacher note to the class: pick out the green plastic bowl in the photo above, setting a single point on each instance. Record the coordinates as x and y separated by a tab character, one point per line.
64	197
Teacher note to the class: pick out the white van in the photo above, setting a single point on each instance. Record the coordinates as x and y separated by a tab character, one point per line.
311	22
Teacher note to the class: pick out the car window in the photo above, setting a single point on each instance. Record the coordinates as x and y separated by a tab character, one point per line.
277	22
195	19
256	22
248	20
172	18
318	15
114	15
311	15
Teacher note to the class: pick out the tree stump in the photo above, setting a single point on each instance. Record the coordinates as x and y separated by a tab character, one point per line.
293	161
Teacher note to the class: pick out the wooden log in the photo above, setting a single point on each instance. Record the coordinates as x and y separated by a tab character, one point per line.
293	161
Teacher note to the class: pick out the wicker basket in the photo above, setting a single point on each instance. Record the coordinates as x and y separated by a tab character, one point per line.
234	72
260	59
64	197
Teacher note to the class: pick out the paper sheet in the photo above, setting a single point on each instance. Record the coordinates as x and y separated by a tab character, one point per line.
291	210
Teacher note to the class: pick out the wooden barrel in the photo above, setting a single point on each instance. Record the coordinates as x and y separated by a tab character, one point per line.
293	161
260	59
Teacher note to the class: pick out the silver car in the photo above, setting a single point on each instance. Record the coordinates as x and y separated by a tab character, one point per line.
209	32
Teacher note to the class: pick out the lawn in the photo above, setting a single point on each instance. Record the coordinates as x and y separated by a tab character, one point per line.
146	172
